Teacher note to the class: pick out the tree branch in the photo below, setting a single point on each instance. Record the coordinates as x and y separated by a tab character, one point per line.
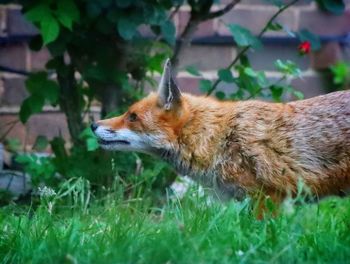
173	13
183	41
222	11
245	49
191	27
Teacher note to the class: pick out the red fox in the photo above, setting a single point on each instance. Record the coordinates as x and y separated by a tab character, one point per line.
240	147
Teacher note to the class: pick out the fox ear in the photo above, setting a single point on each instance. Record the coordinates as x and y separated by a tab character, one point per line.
169	94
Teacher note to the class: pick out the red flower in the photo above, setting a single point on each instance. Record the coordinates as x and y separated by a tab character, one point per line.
304	47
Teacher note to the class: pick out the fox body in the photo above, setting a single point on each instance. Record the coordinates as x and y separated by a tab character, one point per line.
240	147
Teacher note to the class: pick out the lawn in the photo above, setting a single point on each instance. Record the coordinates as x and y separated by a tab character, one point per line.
84	229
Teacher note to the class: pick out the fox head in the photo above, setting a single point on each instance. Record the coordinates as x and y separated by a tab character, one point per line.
151	125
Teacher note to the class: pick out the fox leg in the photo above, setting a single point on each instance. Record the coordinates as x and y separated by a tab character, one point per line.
267	202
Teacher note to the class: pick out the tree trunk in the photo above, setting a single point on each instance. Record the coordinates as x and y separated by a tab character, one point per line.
112	94
70	102
183	42
111	99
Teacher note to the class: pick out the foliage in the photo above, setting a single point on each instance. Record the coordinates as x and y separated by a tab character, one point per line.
41	169
71	30
341	74
243	37
334	6
71	226
100	168
41	90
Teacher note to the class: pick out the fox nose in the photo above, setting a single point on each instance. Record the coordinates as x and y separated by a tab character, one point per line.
94	126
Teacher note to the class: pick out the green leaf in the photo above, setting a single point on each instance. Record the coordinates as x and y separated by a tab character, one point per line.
126	28
35	82
49	28
278	3
32	105
262	80
220	95
306	35
93	9
341	72
205	86
23	159
336	7
243	37
87	133
41	90
193	70
276	92
288	67
299	95
51	92
41	143
250	72
274	26
155	15
37	13
168	31
226	75
90	139
13	144
67	13
38	84
91	144
244	60
123	3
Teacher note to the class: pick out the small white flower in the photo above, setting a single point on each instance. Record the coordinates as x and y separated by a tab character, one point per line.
46	192
50	207
239	253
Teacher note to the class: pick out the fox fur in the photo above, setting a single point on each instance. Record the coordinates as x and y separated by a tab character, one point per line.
240	147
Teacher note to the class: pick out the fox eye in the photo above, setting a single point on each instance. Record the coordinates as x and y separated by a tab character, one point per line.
132	117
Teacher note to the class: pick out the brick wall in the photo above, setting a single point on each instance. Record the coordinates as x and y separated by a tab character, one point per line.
15	54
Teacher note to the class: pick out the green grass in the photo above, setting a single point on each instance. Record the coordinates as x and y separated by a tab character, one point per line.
192	230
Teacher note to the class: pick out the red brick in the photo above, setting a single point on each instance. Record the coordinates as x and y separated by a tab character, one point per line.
255	19
188	84
49	124
2	89
323	23
265	59
329	54
205	28
38	59
312	85
18	131
14	92
18	25
191	85
2	21
13	56
206	57
265	2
